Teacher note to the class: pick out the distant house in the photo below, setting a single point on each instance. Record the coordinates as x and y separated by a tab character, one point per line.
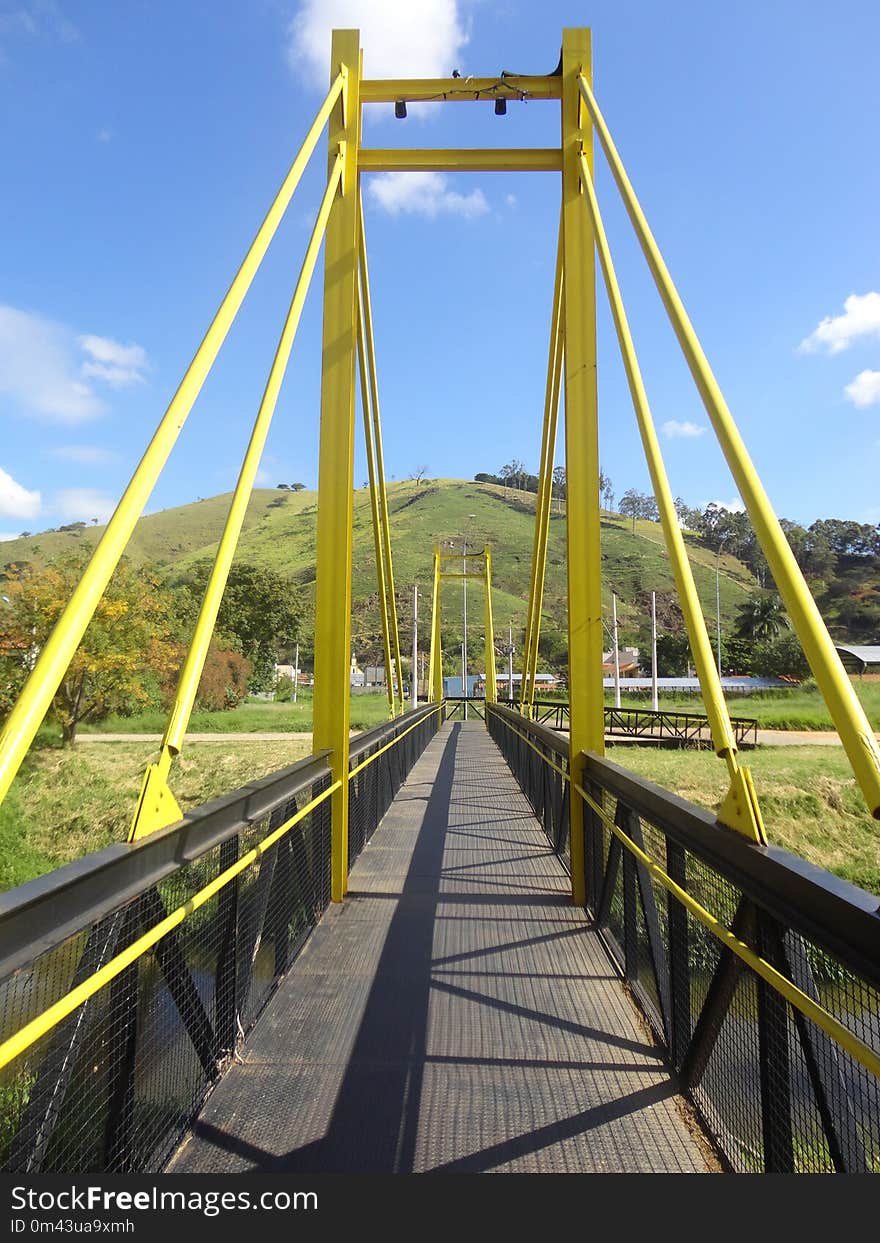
628	660
859	660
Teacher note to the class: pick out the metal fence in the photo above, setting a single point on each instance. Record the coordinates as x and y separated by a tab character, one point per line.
128	978
674	729
375	778
758	973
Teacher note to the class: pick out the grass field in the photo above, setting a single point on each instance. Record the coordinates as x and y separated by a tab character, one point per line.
253	717
66	803
809	800
789	709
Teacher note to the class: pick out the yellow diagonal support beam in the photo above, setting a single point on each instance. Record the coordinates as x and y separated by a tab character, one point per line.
545	489
435	686
40	688
366	410
491	680
157	807
843	704
740	811
380	459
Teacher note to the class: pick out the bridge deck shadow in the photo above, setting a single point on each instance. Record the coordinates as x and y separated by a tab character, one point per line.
456	1014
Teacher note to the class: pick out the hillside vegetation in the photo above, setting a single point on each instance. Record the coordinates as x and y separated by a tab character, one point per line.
279	534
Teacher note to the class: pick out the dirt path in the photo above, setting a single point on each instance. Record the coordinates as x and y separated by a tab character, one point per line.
766	737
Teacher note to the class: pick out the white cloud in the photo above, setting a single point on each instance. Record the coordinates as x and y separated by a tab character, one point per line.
860	318
423	194
416	39
42	369
84	455
16	501
39	368
734	506
864	390
674	430
6	536
83	504
115	364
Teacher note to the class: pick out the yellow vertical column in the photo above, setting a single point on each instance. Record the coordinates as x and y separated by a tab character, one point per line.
491	680
336	463
581	441
435	689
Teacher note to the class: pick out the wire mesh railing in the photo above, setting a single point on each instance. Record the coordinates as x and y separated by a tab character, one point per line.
538	758
758	973
379	763
129	978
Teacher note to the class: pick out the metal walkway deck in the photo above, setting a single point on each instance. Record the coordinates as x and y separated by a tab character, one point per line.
455	1015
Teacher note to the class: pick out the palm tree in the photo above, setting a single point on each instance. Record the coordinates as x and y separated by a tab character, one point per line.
761	617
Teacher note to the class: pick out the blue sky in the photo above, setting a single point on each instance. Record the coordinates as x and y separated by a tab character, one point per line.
141	143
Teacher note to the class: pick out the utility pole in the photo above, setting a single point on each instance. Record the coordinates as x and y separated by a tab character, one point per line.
655	703
415	655
616	652
295	672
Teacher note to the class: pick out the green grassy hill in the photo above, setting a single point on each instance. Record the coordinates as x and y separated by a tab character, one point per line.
279	533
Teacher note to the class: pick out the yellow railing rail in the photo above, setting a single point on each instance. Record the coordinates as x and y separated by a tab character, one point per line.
359	768
848	1040
49	1018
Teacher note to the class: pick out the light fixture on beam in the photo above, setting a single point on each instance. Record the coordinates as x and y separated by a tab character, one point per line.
500	107
400	109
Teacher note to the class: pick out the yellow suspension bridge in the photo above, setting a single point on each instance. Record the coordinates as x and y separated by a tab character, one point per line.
445	944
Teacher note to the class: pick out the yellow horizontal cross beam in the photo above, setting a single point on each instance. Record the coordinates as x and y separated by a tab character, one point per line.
459	90
464	159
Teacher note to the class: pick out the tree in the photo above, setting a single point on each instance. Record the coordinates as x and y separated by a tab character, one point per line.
297	487
418	474
761	617
259	615
607	491
125	653
559	484
513	473
780	657
686	516
631	504
673	655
